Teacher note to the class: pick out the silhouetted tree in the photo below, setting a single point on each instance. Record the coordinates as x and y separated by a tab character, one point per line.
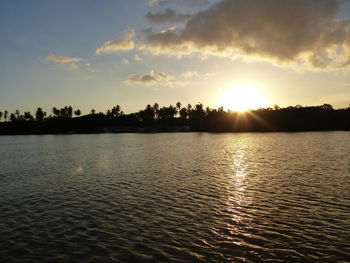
156	106
156	109
93	111
63	112
56	112
147	115
6	115
77	112
178	107
189	109
115	110
70	112
183	113
28	116
327	107
198	110
198	118
166	113
12	117
40	114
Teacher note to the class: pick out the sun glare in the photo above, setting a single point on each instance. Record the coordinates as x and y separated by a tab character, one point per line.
242	97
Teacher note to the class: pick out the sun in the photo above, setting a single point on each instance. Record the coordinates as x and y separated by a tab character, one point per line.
242	97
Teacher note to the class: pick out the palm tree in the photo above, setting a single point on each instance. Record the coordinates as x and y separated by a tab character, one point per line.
63	112
6	115
115	110
178	107
156	106
183	113
28	116
70	112
12	117
156	110
56	112
40	114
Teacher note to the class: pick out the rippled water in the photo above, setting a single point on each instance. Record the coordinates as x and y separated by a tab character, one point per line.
186	197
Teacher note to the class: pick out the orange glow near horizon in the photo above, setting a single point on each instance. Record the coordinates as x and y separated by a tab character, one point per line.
242	97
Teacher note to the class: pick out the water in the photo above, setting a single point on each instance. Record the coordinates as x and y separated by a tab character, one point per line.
181	197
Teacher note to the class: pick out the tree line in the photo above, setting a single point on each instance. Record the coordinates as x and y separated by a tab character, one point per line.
154	118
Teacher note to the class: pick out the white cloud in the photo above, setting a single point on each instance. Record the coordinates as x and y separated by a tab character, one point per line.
169	16
137	58
150	79
152	3
194	3
189	74
70	63
62	59
307	33
125	61
119	44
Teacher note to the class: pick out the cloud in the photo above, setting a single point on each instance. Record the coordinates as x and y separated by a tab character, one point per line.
153	3
70	63
169	16
62	59
119	44
189	74
154	78
125	61
306	33
137	58
197	75
150	79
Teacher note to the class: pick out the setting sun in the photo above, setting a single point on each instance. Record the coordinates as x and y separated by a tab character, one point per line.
243	97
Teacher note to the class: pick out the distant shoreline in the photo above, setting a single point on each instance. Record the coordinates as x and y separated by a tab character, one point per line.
154	119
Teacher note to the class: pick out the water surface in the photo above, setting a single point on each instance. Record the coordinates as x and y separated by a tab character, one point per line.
177	197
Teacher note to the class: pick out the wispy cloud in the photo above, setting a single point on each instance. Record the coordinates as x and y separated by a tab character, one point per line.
150	79
70	63
189	74
137	58
153	3
306	33
168	16
119	44
125	61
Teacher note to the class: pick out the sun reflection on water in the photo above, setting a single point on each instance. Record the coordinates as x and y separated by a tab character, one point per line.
237	199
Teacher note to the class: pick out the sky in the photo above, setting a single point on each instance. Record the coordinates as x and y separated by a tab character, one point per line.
97	54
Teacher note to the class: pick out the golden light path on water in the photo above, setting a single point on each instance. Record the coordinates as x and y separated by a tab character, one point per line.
237	199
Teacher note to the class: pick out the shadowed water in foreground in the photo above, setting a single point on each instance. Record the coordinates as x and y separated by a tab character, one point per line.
186	197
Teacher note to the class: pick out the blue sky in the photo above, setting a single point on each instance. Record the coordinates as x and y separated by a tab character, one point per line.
49	53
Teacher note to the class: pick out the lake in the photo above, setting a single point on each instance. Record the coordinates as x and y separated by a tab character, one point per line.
175	197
